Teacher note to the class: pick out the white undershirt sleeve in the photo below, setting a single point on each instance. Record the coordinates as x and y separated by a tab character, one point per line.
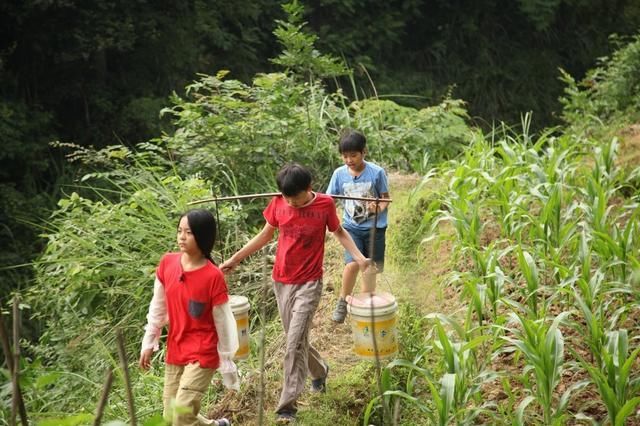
228	344
157	318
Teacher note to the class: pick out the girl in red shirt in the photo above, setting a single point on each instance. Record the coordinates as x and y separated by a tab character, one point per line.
190	295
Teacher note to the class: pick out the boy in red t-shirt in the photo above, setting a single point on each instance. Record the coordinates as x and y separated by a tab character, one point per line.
302	218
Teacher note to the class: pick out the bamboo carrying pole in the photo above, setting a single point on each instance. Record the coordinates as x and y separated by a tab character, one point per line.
15	361
273	194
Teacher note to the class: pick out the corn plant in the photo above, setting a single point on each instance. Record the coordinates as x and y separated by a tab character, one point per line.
604	171
505	193
617	387
388	399
551	158
460	358
444	399
594	318
617	247
477	291
495	280
441	410
543	348
394	393
596	204
464	217
531	277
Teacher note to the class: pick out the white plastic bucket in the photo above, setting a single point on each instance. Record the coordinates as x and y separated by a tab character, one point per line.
240	308
377	313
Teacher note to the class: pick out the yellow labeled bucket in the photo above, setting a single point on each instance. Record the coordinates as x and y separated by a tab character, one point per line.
373	313
240	308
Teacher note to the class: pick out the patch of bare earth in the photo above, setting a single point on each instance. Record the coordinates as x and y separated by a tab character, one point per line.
629	155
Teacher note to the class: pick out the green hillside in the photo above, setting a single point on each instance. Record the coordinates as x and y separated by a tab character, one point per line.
514	254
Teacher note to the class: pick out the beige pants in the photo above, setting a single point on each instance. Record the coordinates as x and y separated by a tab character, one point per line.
297	305
186	384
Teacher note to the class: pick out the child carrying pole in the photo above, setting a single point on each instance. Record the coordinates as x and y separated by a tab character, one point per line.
366	222
302	217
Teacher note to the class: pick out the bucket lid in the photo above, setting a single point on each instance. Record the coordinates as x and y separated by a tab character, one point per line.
238	303
365	300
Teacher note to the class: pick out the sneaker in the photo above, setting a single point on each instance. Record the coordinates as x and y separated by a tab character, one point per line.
285	418
320	385
340	312
220	422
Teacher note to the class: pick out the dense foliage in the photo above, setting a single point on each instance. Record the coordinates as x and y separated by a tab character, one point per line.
501	57
608	93
544	226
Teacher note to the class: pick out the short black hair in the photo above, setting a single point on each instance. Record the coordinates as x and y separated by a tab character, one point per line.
351	141
293	178
203	228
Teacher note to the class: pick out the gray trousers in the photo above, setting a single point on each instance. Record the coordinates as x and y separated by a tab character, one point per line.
297	304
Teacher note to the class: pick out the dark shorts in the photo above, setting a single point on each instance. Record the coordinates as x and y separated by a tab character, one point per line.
362	238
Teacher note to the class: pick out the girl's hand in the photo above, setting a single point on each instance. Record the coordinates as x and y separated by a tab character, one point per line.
231	381
229	372
145	359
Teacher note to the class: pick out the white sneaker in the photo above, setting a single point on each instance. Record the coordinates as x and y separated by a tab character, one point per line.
220	422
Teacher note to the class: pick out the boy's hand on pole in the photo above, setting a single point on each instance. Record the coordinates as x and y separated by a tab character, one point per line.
369	277
228	266
365	264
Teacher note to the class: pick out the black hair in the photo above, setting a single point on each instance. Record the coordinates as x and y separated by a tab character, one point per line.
203	228
351	141
293	178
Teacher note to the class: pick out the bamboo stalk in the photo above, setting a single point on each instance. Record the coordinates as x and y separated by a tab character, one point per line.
16	361
108	381
125	371
378	366
273	194
263	314
6	350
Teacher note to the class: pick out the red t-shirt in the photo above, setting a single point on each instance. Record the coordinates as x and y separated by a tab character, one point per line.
190	297
302	230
